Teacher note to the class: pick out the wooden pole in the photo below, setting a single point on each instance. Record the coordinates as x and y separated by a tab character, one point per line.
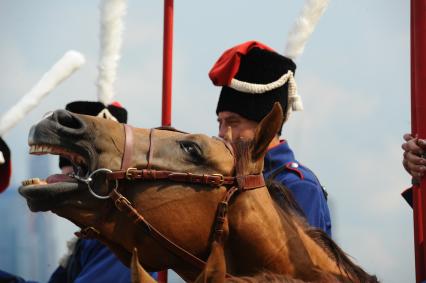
166	117
167	63
418	126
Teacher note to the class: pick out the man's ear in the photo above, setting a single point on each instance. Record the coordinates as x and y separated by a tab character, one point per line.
266	130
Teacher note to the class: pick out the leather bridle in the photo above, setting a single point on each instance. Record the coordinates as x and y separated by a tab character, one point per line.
233	184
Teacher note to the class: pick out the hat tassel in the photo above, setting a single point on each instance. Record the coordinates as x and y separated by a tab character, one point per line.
294	100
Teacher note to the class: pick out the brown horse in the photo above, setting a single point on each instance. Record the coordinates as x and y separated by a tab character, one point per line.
168	184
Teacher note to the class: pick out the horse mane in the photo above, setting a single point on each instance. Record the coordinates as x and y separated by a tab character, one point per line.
287	206
283	197
342	259
243	157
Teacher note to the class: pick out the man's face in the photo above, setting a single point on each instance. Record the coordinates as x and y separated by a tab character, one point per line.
241	127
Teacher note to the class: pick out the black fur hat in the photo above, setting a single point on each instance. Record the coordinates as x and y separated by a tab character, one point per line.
95	108
253	77
260	67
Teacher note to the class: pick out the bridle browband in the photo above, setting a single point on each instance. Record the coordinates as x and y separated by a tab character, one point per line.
233	185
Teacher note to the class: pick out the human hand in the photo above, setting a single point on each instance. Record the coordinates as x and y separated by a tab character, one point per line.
413	161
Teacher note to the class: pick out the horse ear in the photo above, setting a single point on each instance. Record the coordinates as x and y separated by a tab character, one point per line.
228	135
266	131
215	269
139	275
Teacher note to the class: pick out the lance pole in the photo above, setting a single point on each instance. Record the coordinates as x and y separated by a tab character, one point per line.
418	126
167	63
166	109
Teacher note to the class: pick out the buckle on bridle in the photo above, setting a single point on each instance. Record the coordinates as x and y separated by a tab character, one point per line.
121	202
129	175
221	181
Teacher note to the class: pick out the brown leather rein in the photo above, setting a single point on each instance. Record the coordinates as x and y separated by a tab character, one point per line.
233	184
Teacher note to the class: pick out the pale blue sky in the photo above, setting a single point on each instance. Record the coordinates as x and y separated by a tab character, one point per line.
353	78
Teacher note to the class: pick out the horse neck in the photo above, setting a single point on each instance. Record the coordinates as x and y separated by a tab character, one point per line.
254	234
261	238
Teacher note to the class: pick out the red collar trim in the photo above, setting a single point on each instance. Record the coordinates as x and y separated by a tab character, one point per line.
280	143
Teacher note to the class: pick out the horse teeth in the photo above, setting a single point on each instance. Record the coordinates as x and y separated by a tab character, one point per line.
46	149
41	149
32	181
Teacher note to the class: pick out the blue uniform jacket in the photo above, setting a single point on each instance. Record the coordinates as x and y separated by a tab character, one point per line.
302	182
91	262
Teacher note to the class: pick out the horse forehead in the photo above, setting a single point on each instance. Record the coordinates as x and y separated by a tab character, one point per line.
210	145
203	140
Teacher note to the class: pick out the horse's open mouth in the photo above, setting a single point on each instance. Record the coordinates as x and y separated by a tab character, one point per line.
43	195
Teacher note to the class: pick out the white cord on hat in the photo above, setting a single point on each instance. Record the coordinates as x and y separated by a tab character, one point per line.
259	88
294	101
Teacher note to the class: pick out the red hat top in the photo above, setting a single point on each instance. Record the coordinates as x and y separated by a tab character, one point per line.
227	66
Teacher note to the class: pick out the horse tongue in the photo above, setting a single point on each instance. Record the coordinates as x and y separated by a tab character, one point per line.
56	178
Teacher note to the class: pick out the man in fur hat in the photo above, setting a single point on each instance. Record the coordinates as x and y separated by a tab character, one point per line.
253	77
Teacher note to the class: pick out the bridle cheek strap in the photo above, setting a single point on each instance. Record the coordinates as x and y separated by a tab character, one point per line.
126	161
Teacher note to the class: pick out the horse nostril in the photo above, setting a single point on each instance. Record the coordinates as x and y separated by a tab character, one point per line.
67	120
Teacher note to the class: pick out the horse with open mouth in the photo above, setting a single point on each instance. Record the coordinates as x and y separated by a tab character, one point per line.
171	194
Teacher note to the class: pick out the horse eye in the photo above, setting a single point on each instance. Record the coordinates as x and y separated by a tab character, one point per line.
192	149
